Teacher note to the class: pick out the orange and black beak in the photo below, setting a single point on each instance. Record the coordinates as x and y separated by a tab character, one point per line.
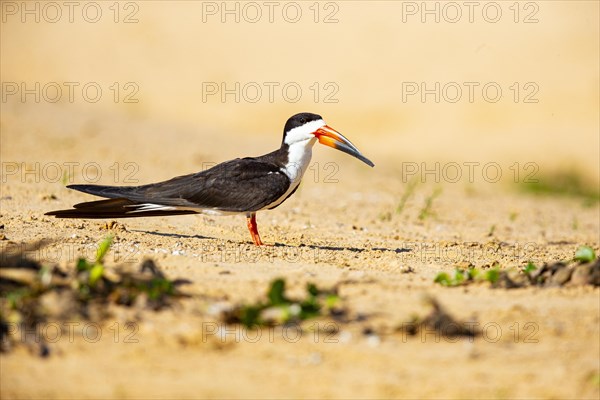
332	138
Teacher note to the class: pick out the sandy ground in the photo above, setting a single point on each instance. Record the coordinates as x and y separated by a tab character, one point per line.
537	343
341	227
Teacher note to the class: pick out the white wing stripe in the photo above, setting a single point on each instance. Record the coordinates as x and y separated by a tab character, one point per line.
149	207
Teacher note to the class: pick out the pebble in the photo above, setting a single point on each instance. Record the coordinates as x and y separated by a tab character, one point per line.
373	340
561	276
587	274
345	337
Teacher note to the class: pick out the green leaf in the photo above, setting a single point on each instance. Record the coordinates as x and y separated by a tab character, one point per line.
103	249
280	309
443	279
529	268
585	254
311	288
332	300
307	313
249	316
159	287
96	273
410	188
472	273
83	265
286	313
492	275
459	277
65	178
277	292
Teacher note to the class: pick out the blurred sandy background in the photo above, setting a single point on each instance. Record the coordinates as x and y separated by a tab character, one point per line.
365	59
372	50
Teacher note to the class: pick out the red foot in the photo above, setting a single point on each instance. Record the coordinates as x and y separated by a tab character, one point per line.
253	228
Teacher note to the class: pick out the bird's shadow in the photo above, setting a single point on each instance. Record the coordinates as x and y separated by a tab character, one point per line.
396	250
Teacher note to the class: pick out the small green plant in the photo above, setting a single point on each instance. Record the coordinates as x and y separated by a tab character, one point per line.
280	309
426	210
27	287
410	189
471	274
65	178
564	183
529	268
92	271
443	279
583	269
492	275
585	254
456	279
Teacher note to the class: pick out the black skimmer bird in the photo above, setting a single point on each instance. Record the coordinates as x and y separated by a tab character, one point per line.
240	186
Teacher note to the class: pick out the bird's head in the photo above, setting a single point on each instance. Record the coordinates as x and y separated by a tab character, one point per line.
306	126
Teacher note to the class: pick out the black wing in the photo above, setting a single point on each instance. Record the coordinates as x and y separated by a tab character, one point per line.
243	184
114	208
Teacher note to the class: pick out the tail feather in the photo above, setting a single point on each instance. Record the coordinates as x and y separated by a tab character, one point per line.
117	208
111	192
106	203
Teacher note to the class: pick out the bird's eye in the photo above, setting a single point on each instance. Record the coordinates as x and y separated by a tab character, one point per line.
302	120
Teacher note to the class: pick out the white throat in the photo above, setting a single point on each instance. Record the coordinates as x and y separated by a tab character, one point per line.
300	141
299	155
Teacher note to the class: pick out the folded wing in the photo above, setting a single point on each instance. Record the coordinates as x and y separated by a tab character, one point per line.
240	185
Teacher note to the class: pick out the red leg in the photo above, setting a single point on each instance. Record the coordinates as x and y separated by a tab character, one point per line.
253	228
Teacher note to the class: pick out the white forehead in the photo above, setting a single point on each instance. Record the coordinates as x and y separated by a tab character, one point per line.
303	132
